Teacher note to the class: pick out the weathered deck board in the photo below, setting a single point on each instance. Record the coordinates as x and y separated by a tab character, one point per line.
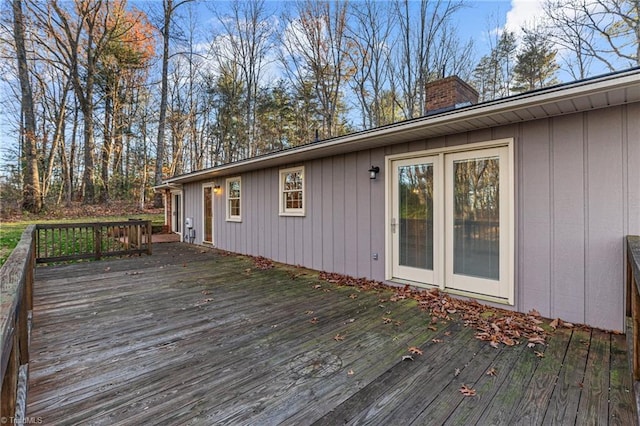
189	336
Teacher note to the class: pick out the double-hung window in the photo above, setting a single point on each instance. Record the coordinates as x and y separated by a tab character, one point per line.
234	199
292	196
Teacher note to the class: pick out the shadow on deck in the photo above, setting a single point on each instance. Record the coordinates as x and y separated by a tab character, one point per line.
191	336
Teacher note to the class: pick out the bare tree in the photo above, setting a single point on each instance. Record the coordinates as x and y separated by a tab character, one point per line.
605	30
418	38
169	7
315	50
369	57
249	36
568	27
81	36
32	200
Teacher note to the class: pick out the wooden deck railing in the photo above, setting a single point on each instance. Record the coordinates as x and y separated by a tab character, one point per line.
74	241
48	243
633	298
16	281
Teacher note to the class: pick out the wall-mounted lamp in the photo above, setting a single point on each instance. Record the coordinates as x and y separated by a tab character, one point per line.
373	172
216	189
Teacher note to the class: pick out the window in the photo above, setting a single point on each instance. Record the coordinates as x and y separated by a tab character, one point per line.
292	192
234	197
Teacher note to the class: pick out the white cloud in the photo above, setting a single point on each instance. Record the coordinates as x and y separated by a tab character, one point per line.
523	13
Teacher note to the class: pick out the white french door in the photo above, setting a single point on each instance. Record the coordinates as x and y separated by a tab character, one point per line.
478	226
176	212
451	219
207	213
414	232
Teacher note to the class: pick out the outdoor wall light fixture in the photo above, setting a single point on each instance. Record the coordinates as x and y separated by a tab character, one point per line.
216	188
373	172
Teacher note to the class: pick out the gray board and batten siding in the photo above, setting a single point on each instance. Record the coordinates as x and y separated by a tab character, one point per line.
577	195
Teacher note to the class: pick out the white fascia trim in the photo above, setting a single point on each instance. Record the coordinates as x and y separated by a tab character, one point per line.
537	98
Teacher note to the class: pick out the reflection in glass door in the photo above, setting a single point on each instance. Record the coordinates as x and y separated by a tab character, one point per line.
476	221
207	203
176	207
477	234
413	219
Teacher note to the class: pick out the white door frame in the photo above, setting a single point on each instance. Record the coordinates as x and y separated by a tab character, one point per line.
418	276
177	212
209	185
441	278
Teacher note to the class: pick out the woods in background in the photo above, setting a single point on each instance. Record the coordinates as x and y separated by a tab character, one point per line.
105	98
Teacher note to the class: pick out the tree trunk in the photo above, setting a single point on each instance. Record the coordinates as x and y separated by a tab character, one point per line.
32	200
106	147
168	9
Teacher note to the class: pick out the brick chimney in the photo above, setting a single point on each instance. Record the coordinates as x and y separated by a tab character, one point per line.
449	93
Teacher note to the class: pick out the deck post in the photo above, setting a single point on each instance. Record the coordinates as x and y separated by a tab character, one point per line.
149	232
97	240
635	302
633	275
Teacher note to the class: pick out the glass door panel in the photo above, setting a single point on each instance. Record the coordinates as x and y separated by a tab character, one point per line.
176	206
413	219
208	213
477	222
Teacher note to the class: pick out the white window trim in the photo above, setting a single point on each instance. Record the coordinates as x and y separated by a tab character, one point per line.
208	185
233	218
439	280
283	210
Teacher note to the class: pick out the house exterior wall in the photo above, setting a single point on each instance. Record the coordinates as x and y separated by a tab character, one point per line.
577	196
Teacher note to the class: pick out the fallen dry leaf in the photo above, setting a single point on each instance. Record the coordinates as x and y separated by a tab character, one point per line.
432	328
338	337
262	262
437	340
350	373
467	391
492	372
407	358
308	312
494	325
415	350
539	354
314	320
353	296
456	372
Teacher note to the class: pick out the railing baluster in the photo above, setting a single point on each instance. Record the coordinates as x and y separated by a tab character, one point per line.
63	242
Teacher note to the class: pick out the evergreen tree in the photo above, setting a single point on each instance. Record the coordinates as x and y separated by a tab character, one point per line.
493	75
536	64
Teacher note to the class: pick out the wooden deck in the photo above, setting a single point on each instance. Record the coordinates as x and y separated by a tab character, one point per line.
190	336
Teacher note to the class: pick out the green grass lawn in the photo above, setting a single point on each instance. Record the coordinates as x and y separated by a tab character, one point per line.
11	232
